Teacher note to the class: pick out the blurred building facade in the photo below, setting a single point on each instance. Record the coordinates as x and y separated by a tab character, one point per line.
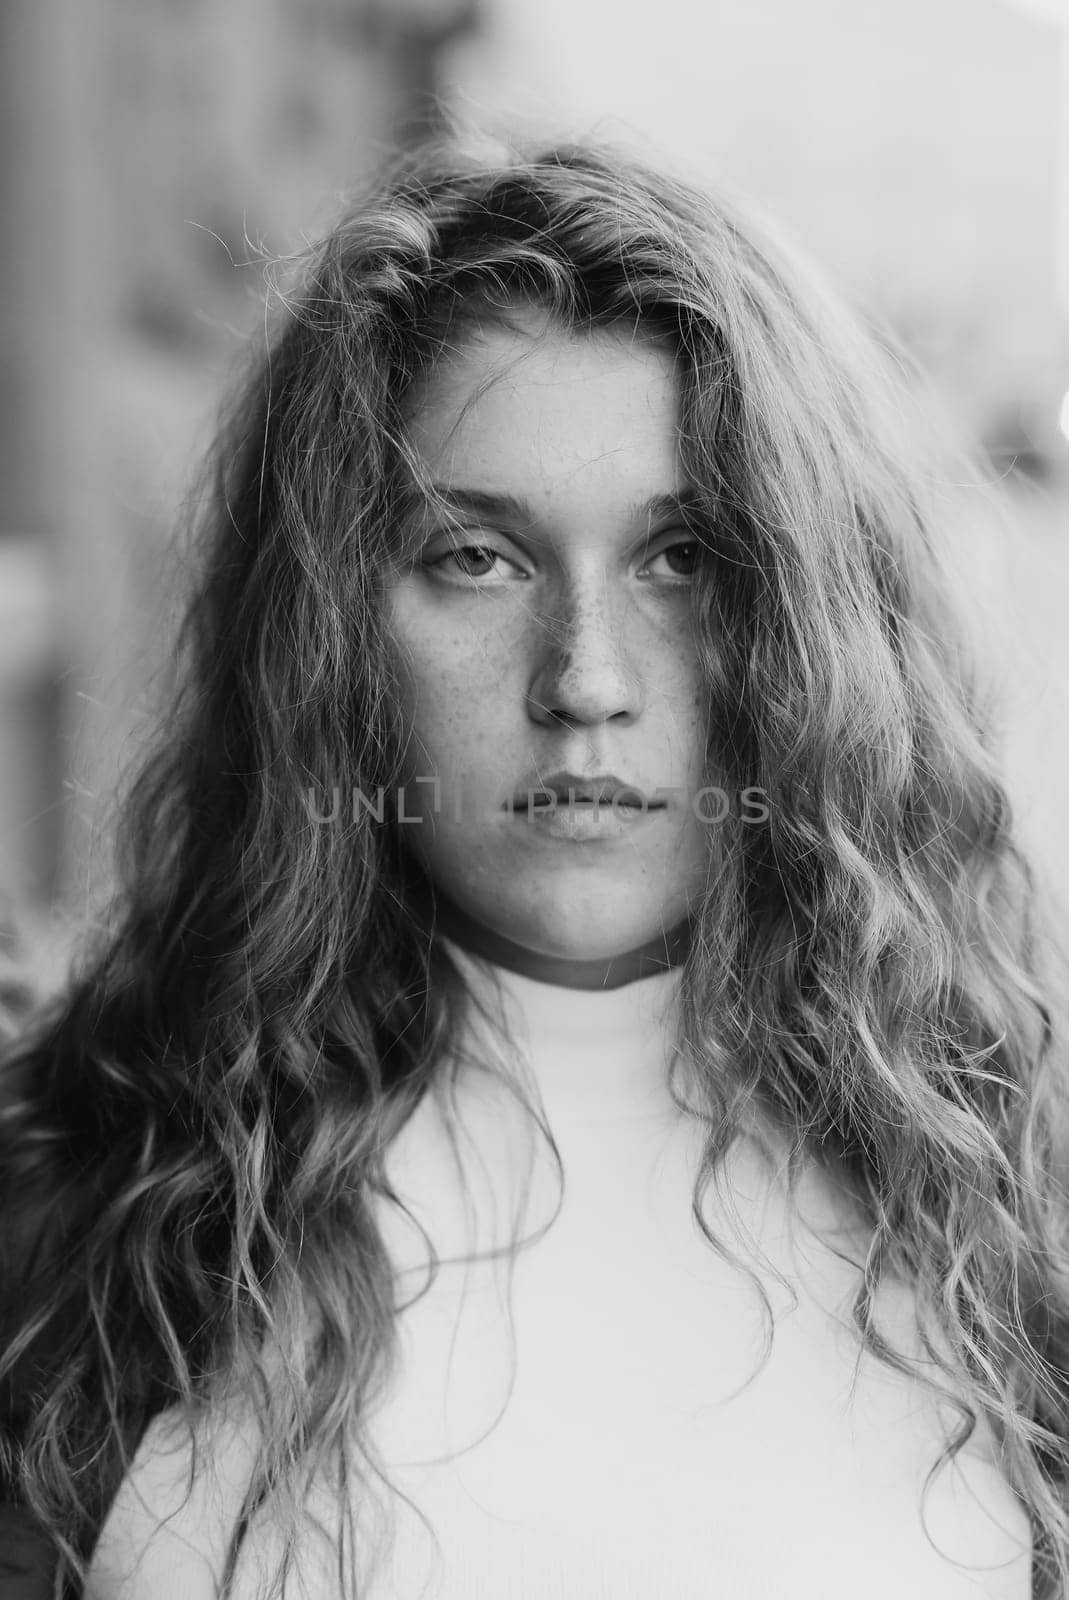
152	154
152	150
915	147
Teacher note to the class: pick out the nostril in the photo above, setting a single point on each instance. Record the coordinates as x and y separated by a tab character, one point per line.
570	717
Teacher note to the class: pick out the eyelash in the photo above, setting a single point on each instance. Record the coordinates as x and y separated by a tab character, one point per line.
488	550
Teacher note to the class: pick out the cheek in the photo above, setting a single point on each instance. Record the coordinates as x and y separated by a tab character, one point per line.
680	702
451	681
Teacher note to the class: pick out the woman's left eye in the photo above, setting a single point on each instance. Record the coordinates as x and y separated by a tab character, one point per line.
682	559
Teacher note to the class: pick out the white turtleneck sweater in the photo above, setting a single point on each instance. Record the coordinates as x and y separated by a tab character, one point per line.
606	1425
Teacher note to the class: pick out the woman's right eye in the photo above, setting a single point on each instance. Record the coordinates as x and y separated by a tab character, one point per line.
473	561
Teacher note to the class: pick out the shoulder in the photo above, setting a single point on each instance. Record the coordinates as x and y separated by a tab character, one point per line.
169	1528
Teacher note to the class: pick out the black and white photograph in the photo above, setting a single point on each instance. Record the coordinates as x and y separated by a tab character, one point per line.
534	777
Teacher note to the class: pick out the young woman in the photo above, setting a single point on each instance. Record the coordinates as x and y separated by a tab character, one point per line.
569	1104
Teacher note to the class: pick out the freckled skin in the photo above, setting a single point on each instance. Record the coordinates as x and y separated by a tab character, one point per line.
561	641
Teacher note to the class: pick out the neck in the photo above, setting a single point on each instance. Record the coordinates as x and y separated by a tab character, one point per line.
566	972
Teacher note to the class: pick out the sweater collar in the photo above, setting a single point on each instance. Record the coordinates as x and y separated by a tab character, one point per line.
589	1050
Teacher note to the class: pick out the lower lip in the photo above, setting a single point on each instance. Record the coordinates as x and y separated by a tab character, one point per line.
583	822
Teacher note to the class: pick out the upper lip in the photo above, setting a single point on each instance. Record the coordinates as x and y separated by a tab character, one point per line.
602	788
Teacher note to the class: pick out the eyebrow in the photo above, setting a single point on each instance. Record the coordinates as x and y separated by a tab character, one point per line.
490	503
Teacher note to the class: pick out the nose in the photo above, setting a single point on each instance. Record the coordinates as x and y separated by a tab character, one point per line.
585	672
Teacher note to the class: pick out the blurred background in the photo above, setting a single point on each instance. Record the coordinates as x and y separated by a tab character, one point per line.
152	150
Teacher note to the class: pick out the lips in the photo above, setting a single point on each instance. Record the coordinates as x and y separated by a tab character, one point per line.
600	789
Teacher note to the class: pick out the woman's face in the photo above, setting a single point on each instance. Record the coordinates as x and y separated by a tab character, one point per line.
545	642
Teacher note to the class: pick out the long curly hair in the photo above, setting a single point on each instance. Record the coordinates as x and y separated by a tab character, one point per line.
192	1129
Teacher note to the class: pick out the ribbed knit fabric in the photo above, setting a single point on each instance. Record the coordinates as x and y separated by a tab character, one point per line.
597	1417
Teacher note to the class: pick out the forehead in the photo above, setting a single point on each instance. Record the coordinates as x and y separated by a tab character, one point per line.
529	407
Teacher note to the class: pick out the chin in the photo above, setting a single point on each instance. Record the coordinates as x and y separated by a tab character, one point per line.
564	921
570	937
